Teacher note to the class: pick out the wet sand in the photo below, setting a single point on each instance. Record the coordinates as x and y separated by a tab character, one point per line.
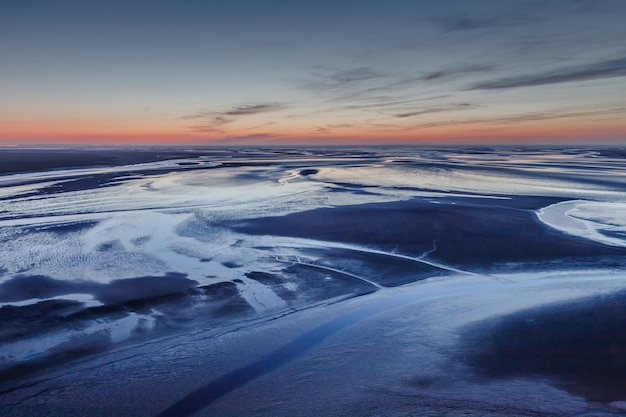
33	160
473	233
244	297
580	346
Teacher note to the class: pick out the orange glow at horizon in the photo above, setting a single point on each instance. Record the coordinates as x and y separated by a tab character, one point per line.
427	72
577	132
262	129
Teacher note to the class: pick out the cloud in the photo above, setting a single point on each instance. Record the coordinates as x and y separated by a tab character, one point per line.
528	117
510	14
381	102
211	125
450	72
240	110
248	109
453	107
211	121
327	79
471	21
330	127
258	126
340	125
355	74
365	88
605	69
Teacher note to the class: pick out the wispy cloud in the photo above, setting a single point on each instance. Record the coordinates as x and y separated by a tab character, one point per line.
388	102
212	121
605	69
471	21
365	88
528	117
476	16
240	110
452	72
248	109
355	74
453	107
210	124
368	88
328	79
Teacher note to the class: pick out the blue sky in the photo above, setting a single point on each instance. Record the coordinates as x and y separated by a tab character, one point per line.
315	72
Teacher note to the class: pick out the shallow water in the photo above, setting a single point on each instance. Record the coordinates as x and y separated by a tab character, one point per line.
145	245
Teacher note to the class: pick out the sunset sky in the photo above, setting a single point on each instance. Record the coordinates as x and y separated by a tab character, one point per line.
315	72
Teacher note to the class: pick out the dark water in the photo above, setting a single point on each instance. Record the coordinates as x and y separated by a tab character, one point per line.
580	345
209	393
219	237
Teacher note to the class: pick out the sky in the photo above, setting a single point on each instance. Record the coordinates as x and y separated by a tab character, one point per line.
314	72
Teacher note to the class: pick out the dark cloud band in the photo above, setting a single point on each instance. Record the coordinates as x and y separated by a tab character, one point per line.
605	69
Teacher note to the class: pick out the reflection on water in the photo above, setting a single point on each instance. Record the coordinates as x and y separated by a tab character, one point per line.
207	394
209	236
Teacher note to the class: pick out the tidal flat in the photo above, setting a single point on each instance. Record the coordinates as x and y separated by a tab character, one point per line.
312	281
